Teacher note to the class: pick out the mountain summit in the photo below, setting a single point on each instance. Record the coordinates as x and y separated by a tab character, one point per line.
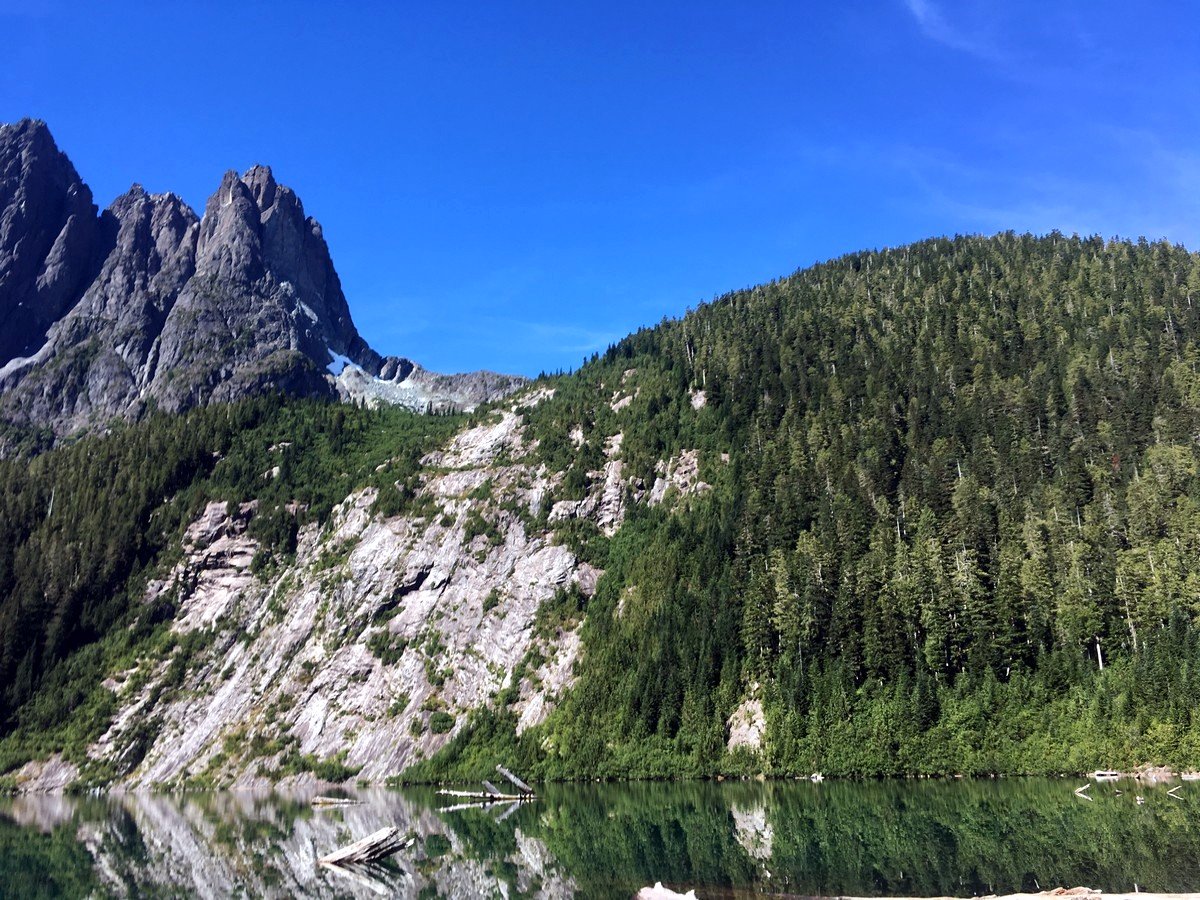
147	304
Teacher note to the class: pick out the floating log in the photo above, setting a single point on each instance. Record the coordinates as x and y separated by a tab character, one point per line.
487	796
491	793
514	779
334	801
382	843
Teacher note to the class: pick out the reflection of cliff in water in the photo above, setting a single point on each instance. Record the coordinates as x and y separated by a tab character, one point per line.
262	845
848	838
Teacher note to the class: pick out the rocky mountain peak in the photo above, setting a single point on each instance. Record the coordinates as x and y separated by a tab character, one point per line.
229	247
149	304
47	229
261	182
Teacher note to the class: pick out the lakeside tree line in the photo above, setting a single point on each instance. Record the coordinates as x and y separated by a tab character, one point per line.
958	528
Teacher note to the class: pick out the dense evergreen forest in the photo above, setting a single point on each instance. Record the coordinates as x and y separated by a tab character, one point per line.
957	530
954	526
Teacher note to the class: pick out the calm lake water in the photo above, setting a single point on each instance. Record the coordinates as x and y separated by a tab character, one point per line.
726	840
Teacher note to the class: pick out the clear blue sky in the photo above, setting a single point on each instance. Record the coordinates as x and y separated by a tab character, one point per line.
514	185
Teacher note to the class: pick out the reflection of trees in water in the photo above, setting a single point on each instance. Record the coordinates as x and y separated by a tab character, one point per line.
937	837
922	838
44	858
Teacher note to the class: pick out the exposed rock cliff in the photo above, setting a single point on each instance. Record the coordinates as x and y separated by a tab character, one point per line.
47	228
210	846
149	304
370	650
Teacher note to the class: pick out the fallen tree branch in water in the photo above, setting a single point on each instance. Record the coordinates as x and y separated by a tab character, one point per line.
383	842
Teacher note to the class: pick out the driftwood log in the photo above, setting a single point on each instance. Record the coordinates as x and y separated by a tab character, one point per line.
487	796
520	785
383	842
333	801
493	794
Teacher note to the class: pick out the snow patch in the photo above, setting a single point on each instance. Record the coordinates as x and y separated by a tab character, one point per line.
340	363
21	362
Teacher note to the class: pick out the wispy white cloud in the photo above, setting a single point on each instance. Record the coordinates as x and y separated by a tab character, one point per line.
1112	182
1159	195
935	26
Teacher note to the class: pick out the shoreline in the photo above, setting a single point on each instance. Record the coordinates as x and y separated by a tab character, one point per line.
1145	774
659	892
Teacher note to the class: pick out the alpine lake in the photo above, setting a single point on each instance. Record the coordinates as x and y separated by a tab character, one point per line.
732	839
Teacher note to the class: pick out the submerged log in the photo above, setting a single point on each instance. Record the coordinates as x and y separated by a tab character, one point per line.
373	876
383	842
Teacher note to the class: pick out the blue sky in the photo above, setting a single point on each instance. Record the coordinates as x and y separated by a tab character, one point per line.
515	185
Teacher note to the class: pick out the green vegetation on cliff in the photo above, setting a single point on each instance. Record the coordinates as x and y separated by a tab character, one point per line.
957	530
83	527
952	526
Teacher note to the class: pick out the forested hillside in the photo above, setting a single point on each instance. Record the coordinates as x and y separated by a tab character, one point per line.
926	510
957	531
83	528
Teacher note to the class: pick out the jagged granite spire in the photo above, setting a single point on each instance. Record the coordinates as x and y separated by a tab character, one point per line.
101	317
47	229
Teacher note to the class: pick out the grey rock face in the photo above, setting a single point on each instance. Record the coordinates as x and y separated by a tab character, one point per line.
100	317
401	382
47	227
291	657
100	356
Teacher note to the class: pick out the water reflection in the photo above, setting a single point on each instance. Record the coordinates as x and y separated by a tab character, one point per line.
733	839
